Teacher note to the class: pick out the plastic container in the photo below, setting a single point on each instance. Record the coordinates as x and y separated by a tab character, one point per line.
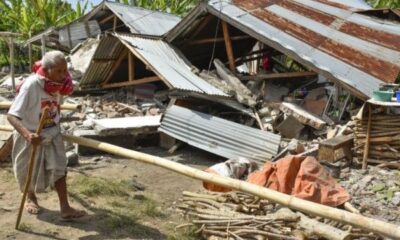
398	96
384	96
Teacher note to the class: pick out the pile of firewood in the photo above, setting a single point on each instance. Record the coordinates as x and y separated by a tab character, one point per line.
384	140
238	215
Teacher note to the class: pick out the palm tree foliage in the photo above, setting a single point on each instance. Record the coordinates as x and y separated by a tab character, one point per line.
32	16
384	3
178	7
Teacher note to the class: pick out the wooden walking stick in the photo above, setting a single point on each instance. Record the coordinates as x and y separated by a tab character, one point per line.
31	164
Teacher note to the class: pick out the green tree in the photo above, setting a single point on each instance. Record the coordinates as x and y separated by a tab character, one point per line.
384	3
177	7
30	17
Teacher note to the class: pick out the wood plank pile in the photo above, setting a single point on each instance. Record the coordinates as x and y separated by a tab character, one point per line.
384	143
238	215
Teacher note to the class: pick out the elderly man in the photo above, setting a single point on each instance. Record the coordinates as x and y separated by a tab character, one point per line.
42	89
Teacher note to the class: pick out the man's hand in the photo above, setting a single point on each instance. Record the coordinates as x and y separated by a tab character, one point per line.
28	135
33	138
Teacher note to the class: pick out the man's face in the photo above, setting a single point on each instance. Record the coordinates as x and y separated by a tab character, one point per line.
58	73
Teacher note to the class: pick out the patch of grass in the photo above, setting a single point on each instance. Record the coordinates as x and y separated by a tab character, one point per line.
25	227
97	186
119	212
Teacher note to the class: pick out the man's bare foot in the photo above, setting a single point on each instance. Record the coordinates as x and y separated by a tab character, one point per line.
72	213
31	204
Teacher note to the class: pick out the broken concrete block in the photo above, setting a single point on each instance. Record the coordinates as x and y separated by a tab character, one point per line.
302	115
127	125
290	128
295	147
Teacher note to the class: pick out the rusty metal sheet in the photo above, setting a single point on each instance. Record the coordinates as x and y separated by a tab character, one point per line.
359	45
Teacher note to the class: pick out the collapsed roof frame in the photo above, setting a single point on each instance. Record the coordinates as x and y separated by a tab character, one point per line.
372	59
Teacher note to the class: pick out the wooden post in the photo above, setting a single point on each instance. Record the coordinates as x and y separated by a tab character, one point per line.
43	41
30	56
131	63
228	46
11	39
115	23
366	146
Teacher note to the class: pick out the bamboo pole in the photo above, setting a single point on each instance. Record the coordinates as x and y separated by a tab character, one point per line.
373	225
66	106
30	168
366	147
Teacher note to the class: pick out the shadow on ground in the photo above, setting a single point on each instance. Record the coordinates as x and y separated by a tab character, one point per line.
108	224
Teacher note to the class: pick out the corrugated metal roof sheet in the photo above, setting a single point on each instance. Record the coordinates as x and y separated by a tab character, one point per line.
160	56
143	21
97	72
357	50
219	136
168	64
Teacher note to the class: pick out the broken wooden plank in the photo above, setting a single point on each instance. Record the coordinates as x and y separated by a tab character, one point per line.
134	82
215	40
279	76
366	147
302	115
243	94
111	17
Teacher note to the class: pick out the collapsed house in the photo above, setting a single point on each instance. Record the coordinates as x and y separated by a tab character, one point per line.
107	16
220	52
354	50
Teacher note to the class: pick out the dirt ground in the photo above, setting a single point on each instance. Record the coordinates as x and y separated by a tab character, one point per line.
124	212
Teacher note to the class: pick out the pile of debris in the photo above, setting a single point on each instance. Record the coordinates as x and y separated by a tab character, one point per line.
238	215
375	192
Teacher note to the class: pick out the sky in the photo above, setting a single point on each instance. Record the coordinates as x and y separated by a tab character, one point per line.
94	2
